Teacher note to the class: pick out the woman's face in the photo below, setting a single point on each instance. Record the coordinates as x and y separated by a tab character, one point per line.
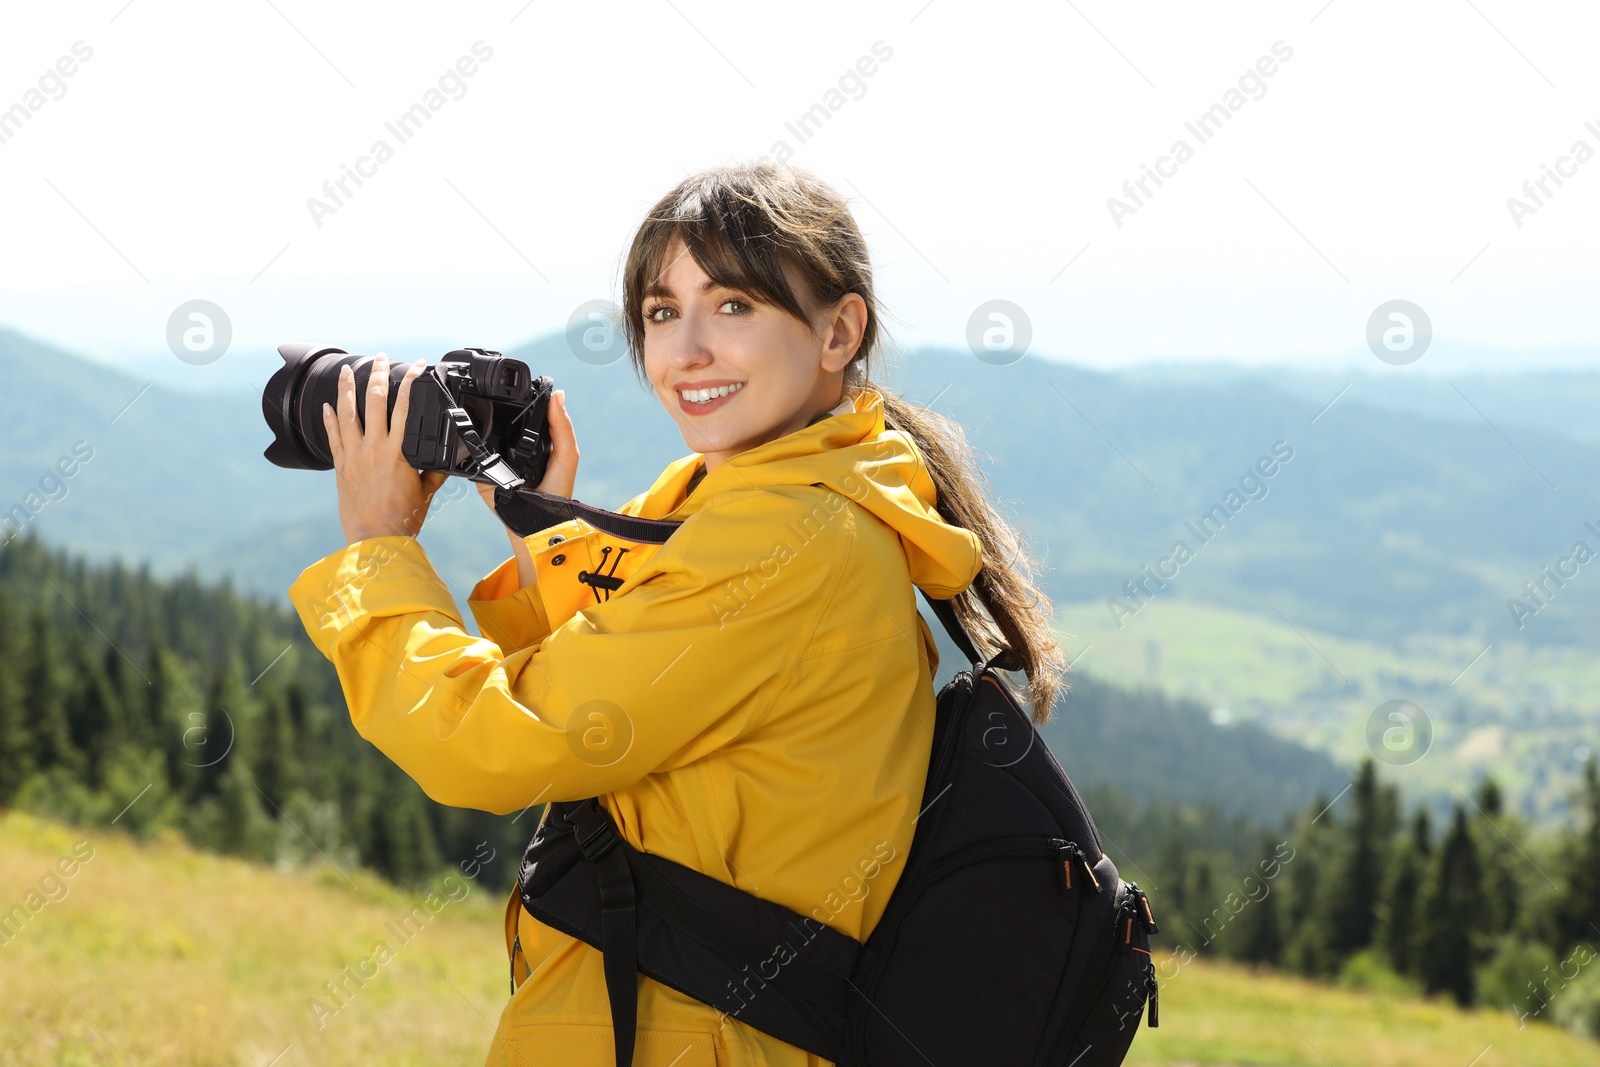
782	372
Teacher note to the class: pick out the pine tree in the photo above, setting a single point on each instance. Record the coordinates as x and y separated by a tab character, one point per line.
220	738
1309	927
94	711
1353	892
407	849
1401	905
16	745
1501	859
1203	901
1452	915
243	828
45	699
1260	937
277	770
1577	911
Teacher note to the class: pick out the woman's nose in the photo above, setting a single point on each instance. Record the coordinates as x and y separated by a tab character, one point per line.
689	348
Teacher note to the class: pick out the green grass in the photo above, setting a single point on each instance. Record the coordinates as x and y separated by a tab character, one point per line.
1218	1013
164	955
1519	712
158	954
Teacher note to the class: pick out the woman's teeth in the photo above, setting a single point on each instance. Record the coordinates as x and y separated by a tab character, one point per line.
702	396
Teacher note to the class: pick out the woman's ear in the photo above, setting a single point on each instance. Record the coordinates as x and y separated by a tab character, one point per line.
845	323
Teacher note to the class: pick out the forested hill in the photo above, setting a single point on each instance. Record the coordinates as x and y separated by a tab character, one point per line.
153	703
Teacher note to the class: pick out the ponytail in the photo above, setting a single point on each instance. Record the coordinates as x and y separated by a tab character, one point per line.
1003	607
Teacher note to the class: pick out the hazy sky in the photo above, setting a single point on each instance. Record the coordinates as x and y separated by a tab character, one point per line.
1374	163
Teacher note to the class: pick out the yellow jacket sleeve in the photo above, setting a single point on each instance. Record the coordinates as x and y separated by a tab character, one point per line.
512	618
688	655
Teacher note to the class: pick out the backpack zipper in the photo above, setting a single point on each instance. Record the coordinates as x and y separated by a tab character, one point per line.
1070	854
1093	978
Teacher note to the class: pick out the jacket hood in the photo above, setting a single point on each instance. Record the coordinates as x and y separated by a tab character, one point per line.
855	455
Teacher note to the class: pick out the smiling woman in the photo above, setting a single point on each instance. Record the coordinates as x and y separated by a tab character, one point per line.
761	714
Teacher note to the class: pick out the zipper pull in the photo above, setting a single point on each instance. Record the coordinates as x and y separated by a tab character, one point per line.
1143	907
1071	855
516	946
1082	860
1064	857
1154	988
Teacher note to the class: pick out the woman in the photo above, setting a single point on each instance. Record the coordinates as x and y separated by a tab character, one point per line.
752	698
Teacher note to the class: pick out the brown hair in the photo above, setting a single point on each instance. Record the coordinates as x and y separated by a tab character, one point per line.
742	224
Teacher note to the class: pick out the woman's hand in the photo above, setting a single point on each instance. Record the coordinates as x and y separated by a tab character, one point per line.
380	494
560	475
561	468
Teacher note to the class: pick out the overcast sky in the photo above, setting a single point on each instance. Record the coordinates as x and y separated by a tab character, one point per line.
1374	163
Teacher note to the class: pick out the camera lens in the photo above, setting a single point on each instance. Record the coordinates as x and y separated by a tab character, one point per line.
292	401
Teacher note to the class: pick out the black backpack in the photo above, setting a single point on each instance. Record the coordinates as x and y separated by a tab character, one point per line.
1008	939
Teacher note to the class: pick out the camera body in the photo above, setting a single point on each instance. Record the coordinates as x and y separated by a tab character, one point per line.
475	413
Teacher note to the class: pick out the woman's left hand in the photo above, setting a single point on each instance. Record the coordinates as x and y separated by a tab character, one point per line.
380	494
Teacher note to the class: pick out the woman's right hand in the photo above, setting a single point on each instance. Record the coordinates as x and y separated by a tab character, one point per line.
560	475
561	469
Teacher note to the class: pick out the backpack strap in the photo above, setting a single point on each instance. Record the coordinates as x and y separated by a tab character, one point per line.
781	972
1005	659
619	943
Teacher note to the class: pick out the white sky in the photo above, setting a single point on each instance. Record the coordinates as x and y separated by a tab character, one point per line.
1377	165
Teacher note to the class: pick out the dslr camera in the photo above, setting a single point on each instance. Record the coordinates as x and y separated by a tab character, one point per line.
475	413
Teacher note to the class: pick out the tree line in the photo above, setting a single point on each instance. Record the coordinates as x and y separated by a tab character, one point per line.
169	705
1355	891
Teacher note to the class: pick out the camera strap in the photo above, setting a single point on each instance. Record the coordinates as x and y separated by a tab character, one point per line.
526	511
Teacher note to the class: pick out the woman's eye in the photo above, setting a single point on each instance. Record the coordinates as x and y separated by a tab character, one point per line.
650	315
741	303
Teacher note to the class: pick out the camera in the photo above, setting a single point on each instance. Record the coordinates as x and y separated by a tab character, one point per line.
475	413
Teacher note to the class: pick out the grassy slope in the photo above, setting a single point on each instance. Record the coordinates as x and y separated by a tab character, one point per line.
180	958
1214	1014
1320	690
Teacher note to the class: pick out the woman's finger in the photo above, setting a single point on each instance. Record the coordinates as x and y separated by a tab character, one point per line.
402	404
561	473
378	398
349	428
330	425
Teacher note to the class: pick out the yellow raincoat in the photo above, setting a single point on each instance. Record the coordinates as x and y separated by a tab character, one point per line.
755	701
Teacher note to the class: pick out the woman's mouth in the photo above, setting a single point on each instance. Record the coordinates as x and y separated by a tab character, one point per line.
702	401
